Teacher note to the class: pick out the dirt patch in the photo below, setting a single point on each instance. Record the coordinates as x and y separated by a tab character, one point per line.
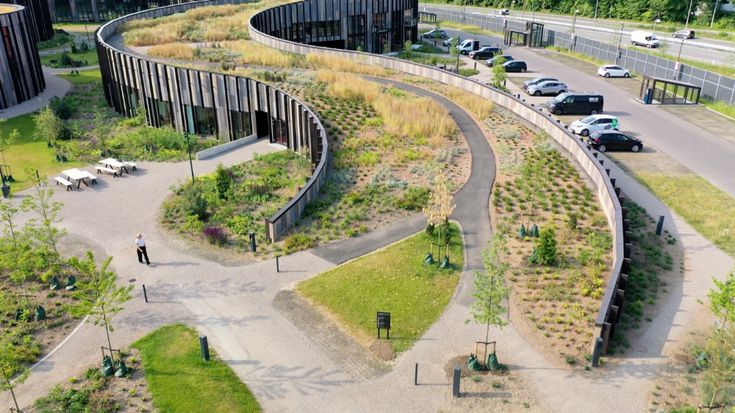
331	339
490	392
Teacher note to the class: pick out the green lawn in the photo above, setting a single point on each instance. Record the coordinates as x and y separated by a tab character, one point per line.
394	279
27	152
90	57
180	381
709	210
84	77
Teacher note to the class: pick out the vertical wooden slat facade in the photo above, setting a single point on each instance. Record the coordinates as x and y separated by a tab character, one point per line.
21	77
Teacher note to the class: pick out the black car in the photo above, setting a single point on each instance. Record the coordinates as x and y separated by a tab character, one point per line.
496	59
485	52
614	141
577	103
515	66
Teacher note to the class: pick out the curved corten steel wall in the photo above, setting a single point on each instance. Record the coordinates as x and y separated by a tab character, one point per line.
608	194
21	77
186	99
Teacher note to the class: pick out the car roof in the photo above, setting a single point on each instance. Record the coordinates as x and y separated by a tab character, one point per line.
602	116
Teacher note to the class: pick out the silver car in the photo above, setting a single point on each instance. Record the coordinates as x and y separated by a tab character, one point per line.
549	87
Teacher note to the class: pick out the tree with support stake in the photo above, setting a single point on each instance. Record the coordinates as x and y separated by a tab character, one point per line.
12	368
490	291
100	297
437	211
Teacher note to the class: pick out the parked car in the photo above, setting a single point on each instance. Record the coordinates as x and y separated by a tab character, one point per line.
614	141
491	62
504	12
576	104
643	38
515	66
594	123
468	45
537	80
435	34
448	42
550	87
683	34
613	71
485	52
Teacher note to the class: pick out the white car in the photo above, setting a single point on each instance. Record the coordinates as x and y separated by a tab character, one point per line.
613	71
594	123
550	87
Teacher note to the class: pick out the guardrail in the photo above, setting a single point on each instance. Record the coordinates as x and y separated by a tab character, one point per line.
129	78
585	157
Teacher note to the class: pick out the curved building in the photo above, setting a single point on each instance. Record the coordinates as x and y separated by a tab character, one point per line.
375	26
21	77
203	102
39	18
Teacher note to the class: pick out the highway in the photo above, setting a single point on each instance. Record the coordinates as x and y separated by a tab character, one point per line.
704	50
702	152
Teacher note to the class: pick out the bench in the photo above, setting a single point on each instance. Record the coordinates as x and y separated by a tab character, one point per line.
62	181
91	177
132	165
105	169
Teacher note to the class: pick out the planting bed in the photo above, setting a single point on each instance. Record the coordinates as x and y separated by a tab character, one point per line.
536	184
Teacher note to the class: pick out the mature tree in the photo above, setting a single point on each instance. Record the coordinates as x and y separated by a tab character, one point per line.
490	291
99	296
12	366
48	126
722	299
440	206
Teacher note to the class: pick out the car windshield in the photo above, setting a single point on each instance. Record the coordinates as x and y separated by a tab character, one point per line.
588	120
560	98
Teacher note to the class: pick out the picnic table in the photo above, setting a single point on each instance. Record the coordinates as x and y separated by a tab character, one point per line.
115	164
80	176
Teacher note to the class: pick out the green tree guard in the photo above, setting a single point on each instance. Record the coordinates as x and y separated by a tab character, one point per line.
522	231
445	263
534	231
121	369
71	283
492	362
473	364
40	313
107	369
429	259
55	284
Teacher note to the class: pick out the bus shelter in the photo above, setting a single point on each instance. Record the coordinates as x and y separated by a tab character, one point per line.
655	90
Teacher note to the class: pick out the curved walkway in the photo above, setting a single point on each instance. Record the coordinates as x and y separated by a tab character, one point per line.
55	86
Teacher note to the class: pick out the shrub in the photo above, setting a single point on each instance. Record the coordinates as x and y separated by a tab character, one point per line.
64	107
545	251
297	242
415	198
215	235
195	202
223	180
65	59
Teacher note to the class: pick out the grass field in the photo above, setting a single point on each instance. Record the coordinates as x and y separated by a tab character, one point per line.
180	381
709	210
394	279
27	152
84	77
88	58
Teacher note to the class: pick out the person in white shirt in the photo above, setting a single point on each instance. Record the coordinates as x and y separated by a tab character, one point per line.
140	248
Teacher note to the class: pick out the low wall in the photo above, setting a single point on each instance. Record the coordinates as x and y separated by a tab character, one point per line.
174	90
607	194
225	147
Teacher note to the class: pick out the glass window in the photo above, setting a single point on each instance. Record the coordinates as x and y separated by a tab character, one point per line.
241	125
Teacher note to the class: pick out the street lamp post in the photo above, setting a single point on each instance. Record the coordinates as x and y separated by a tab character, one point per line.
574	20
714	12
620	41
597	3
689	13
654	25
188	146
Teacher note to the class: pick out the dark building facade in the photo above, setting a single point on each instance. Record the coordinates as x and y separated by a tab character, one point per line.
374	26
39	18
21	77
101	10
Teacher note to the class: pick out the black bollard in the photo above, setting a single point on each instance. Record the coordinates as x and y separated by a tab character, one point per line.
205	347
597	352
252	241
416	375
145	294
278	267
660	225
455	381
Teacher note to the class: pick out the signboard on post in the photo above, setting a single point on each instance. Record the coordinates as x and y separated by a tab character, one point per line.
383	322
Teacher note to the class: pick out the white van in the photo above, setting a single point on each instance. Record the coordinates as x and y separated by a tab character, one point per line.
468	46
643	38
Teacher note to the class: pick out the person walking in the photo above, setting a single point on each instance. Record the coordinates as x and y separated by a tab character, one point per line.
140	248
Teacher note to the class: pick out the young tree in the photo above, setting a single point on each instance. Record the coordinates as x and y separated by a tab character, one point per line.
100	297
718	377
48	126
8	141
102	130
499	74
722	299
453	51
490	290
12	368
43	228
545	251
440	206
19	257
